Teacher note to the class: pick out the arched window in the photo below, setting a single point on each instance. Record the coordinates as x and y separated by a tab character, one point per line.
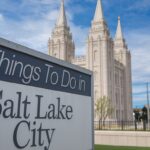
95	95
55	55
95	76
95	55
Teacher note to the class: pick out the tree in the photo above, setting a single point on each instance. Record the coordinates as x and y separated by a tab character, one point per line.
103	109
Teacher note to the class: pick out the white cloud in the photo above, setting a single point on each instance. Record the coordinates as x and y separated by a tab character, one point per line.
79	36
139	88
139	43
1	17
52	15
31	33
35	33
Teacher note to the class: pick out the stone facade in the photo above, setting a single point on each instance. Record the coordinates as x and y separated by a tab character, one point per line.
109	59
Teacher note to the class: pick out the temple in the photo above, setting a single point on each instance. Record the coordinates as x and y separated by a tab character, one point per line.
108	58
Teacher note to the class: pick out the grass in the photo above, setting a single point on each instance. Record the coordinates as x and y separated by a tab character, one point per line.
103	147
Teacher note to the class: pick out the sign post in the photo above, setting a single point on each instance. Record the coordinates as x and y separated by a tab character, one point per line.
45	103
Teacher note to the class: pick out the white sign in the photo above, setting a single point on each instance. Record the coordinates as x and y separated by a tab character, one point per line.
45	104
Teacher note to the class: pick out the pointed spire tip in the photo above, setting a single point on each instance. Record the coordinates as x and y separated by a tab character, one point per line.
98	12
62	20
119	33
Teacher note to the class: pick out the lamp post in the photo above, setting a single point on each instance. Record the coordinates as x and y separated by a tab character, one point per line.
148	117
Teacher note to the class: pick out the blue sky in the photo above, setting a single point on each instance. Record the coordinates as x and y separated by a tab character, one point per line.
30	22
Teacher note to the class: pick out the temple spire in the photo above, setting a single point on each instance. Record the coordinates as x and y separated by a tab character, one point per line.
99	12
119	34
62	20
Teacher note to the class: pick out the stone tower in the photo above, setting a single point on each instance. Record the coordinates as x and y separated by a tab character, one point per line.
61	44
100	55
122	54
